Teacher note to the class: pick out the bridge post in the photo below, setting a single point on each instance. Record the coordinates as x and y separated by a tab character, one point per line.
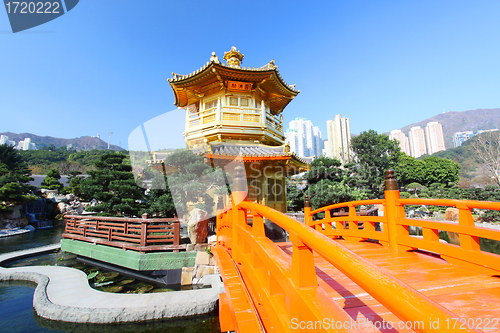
307	210
391	194
238	194
144	229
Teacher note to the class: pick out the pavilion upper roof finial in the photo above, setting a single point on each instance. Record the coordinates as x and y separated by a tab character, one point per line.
214	58
233	57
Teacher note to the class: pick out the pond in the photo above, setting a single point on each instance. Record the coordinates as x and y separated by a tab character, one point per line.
99	278
16	299
18	316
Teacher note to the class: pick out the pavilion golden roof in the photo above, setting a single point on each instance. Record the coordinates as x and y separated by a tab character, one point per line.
214	75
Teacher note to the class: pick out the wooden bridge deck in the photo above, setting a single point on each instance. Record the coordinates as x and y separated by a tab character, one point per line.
464	292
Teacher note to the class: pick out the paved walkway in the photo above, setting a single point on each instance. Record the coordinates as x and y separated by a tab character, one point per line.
64	294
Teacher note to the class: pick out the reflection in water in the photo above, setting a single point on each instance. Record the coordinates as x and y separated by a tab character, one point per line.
37	238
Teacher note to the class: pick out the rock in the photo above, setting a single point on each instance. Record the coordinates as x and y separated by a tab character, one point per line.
77	206
187	276
70	197
451	214
202	258
212	239
197	226
30	228
63	208
454	237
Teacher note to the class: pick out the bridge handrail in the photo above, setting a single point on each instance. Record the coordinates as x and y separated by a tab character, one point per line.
348	203
404	301
396	225
468	253
491	205
325	225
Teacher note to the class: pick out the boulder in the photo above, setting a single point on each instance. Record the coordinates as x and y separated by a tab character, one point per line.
77	207
451	214
197	226
63	208
30	228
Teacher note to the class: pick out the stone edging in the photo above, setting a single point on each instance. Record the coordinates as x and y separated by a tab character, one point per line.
63	294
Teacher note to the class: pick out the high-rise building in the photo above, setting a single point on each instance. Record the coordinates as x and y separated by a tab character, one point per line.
404	143
339	138
25	144
3	139
308	138
417	141
461	137
292	138
435	137
325	150
318	146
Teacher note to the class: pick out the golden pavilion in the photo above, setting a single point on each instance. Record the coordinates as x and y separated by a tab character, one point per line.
233	112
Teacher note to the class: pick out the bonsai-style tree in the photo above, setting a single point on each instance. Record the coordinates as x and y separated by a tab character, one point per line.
51	181
14	176
113	185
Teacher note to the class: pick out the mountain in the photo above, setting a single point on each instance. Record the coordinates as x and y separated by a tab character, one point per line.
82	143
470	120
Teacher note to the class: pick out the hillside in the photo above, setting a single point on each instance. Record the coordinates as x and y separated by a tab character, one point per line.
469	161
470	120
82	143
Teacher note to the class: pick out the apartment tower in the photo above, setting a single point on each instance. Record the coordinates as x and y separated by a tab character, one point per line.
339	138
434	136
404	143
417	141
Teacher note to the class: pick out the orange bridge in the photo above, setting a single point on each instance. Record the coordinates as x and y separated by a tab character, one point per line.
356	273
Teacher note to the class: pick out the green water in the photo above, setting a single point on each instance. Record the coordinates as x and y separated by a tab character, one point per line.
37	238
60	258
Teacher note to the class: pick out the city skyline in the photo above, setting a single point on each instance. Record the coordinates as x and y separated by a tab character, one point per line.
372	61
304	138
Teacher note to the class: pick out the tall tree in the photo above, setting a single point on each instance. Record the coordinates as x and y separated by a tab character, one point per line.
113	185
440	170
14	176
409	170
195	182
51	181
330	183
487	146
75	181
374	153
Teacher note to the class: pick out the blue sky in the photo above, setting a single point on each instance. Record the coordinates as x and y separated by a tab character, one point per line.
103	67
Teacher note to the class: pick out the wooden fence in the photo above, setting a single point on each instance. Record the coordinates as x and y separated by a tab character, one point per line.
140	234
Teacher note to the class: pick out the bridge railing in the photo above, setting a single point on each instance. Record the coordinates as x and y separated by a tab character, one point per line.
358	227
141	234
287	287
395	228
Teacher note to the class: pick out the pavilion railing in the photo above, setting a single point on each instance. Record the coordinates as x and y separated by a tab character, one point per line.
141	234
287	286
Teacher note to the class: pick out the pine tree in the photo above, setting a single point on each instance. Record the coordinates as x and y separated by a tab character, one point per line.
51	181
14	176
113	185
75	181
